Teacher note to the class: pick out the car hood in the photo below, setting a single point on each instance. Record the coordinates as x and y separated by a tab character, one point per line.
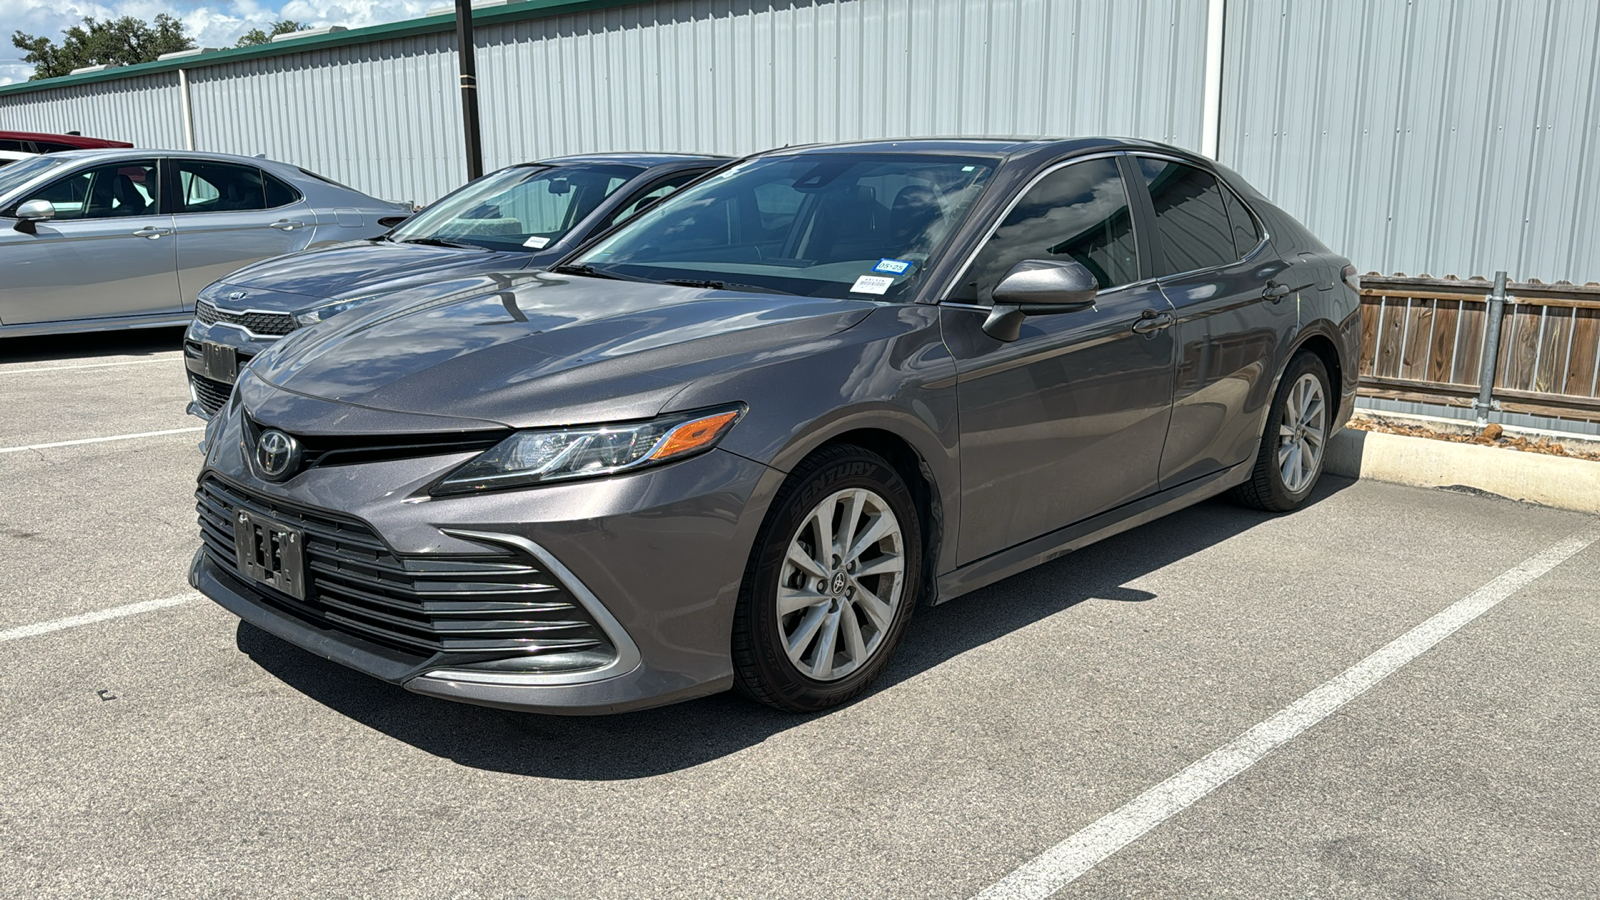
535	349
345	270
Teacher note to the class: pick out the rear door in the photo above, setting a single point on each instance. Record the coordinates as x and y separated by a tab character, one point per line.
108	252
229	215
1215	268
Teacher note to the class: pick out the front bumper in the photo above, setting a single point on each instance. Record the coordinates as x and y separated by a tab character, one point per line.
656	558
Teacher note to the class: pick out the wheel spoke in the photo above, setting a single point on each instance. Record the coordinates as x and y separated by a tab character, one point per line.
823	516
803	633
887	564
847	523
852	635
793	600
822	658
878	611
800	559
881	523
1314	435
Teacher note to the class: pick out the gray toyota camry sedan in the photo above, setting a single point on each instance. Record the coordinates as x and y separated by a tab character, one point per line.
519	217
737	441
102	239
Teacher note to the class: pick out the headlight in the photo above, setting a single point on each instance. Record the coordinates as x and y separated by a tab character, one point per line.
559	454
328	310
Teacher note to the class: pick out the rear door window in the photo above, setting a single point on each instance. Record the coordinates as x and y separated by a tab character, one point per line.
1245	233
205	186
1191	217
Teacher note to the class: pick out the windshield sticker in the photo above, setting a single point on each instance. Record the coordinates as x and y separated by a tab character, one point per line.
892	266
871	284
537	242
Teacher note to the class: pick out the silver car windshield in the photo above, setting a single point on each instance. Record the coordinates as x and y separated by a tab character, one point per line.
825	225
521	208
23	171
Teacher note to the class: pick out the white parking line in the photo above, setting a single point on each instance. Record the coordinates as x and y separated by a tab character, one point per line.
134	362
1065	862
115	612
101	440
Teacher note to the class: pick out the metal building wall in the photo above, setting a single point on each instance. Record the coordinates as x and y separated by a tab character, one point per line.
1424	137
384	117
736	76
144	110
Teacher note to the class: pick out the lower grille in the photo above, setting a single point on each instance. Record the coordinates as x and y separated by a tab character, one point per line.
211	396
264	324
473	608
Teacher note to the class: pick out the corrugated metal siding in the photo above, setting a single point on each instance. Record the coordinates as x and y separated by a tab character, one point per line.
384	118
1442	138
736	76
144	110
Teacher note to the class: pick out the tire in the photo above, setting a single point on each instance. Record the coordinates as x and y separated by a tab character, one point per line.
1294	442
844	615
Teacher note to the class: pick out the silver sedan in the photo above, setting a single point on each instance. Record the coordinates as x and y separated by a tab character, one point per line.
101	239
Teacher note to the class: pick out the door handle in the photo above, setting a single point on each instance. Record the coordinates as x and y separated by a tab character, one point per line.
285	225
152	233
1275	291
1152	321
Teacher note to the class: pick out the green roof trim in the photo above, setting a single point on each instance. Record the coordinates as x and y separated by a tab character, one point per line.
511	12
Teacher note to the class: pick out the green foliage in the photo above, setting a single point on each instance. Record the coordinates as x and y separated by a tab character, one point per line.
126	41
256	36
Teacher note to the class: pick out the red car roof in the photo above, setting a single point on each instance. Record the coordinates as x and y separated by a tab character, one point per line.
75	140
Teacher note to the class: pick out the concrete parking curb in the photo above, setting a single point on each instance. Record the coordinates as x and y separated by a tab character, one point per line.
1561	482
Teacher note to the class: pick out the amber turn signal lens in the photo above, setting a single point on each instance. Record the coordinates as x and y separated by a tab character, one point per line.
691	436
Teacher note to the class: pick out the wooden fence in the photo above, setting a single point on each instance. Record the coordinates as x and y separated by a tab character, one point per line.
1422	340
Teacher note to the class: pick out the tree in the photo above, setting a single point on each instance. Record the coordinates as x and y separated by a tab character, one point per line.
256	36
126	41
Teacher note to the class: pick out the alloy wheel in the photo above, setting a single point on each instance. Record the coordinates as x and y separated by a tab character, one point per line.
1302	433
842	580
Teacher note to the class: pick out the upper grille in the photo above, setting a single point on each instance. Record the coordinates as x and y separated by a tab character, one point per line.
478	608
266	324
209	395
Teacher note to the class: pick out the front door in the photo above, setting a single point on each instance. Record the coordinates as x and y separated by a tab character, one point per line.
1068	420
107	253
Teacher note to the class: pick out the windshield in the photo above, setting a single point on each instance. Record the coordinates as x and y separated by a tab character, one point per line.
23	171
823	225
521	208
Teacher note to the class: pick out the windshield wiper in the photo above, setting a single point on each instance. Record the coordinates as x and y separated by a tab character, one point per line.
590	272
726	286
441	242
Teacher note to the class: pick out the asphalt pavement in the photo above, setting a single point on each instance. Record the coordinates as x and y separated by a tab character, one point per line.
169	750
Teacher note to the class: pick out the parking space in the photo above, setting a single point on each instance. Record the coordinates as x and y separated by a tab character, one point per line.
175	751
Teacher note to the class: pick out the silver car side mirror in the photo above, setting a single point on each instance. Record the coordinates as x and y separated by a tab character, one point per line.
34	211
1037	287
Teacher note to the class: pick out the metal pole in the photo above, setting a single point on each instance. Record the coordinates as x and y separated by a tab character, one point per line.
465	53
1491	349
188	111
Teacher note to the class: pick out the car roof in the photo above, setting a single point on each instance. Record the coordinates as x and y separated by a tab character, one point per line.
999	147
74	139
142	152
646	160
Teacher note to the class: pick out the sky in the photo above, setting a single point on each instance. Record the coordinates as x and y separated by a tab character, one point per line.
218	23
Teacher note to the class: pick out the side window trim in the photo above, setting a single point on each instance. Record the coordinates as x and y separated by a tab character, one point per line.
1016	198
1255	220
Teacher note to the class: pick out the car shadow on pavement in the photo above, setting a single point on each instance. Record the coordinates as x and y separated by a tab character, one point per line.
667	739
90	345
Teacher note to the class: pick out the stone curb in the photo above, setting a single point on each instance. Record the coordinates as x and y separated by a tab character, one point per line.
1561	482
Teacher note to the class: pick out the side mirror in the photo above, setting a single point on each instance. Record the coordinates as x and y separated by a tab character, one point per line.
34	211
1036	287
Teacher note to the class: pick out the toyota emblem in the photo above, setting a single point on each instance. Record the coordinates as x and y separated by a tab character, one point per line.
277	455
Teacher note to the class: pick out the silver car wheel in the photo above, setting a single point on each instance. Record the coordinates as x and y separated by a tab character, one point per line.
1302	433
841	584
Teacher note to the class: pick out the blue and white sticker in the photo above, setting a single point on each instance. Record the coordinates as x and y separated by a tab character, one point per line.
872	284
892	266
